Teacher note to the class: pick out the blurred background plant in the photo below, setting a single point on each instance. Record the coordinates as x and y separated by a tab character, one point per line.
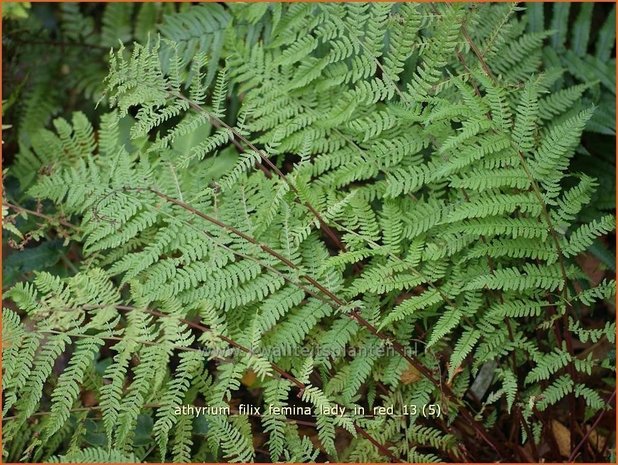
56	57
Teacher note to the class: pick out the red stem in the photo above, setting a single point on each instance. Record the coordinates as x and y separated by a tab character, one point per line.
400	349
594	425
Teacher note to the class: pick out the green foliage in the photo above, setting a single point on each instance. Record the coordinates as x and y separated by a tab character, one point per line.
16	10
304	194
582	46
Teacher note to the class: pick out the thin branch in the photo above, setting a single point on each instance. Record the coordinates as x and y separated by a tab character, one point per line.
239	137
284	374
50	219
234	344
544	213
300	385
477	52
216	121
592	428
355	314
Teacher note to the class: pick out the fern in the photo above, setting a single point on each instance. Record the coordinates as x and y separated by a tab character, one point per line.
338	207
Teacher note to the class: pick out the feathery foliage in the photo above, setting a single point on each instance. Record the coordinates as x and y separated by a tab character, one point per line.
323	208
